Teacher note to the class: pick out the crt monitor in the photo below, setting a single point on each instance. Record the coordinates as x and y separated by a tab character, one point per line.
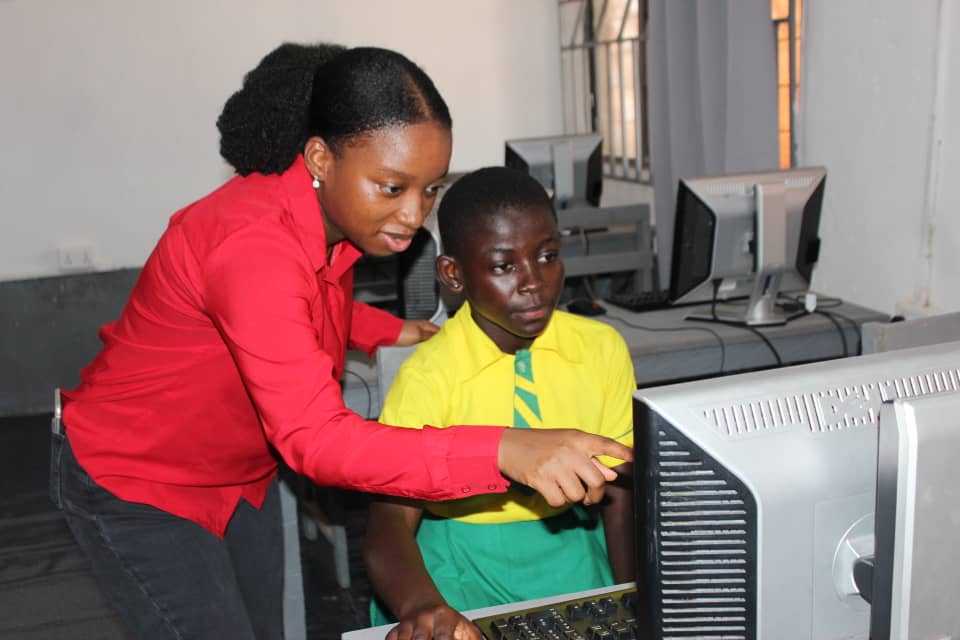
404	283
748	235
916	563
760	495
570	167
417	282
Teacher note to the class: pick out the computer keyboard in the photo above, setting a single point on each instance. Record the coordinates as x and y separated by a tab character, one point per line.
611	616
641	300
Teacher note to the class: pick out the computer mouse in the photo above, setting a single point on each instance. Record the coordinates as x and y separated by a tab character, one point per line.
585	307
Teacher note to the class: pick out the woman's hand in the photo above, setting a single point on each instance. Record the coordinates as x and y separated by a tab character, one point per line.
560	463
415	331
439	622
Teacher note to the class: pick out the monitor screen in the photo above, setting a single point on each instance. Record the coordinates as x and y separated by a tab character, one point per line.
748	235
569	166
757	495
916	563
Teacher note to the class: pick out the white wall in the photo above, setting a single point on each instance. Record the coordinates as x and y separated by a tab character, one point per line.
876	112
109	107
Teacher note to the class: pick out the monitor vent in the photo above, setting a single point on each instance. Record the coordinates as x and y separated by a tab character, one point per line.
828	410
705	548
714	188
418	280
797	182
725	188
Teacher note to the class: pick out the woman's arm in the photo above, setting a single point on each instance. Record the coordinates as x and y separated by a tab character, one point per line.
257	292
397	573
371	327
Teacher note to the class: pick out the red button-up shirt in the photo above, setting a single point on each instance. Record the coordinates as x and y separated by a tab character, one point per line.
232	344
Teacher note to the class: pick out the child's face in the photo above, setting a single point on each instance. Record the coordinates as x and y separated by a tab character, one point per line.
512	275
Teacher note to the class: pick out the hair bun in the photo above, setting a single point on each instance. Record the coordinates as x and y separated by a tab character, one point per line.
263	125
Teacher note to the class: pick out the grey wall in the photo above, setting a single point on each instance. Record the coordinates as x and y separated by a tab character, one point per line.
880	92
48	332
109	106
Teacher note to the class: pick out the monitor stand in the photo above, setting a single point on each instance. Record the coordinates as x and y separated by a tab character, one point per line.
758	311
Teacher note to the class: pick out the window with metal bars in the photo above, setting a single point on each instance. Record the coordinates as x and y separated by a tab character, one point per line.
787	17
603	62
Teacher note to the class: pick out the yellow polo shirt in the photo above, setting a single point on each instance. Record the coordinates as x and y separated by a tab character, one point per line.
583	376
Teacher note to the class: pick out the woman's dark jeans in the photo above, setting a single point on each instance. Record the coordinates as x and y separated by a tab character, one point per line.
167	576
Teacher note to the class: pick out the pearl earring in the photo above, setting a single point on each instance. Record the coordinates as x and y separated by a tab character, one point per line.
316	182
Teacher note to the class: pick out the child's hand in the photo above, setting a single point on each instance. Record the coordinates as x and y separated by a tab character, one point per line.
439	622
415	331
560	464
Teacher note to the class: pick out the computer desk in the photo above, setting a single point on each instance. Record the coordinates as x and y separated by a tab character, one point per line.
378	633
667	348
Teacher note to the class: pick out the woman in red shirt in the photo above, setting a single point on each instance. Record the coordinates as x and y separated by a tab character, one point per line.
229	352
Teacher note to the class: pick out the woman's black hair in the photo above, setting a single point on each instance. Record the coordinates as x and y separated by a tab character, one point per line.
481	195
300	91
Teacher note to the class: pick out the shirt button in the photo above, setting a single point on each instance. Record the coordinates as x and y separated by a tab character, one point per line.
465	490
492	487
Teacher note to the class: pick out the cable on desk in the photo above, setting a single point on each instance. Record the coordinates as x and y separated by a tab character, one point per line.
729	323
366	413
843	334
825	302
773	350
713	313
856	327
723	346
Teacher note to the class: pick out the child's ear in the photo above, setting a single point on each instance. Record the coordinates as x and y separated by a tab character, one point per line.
448	271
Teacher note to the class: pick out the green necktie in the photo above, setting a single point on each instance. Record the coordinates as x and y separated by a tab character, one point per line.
526	409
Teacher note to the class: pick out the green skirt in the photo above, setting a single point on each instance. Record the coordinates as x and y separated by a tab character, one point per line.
481	565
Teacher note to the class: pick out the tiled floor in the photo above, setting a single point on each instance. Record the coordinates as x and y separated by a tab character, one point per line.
47	592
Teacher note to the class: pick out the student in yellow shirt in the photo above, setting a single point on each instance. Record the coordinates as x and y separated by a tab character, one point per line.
506	357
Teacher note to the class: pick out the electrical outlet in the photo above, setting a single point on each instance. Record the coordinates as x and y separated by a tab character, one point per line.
76	256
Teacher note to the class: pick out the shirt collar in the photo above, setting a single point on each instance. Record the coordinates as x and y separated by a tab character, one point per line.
484	352
305	210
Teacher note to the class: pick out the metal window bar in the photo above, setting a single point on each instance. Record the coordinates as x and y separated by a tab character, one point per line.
793	82
603	62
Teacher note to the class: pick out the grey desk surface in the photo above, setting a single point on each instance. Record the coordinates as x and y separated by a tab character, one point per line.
666	347
378	633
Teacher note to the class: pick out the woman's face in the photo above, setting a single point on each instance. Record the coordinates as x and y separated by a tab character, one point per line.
377	193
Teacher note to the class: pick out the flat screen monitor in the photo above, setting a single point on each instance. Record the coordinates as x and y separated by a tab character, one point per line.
570	167
748	235
757	495
916	564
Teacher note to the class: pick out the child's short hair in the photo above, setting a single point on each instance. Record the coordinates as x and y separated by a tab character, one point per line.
482	194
